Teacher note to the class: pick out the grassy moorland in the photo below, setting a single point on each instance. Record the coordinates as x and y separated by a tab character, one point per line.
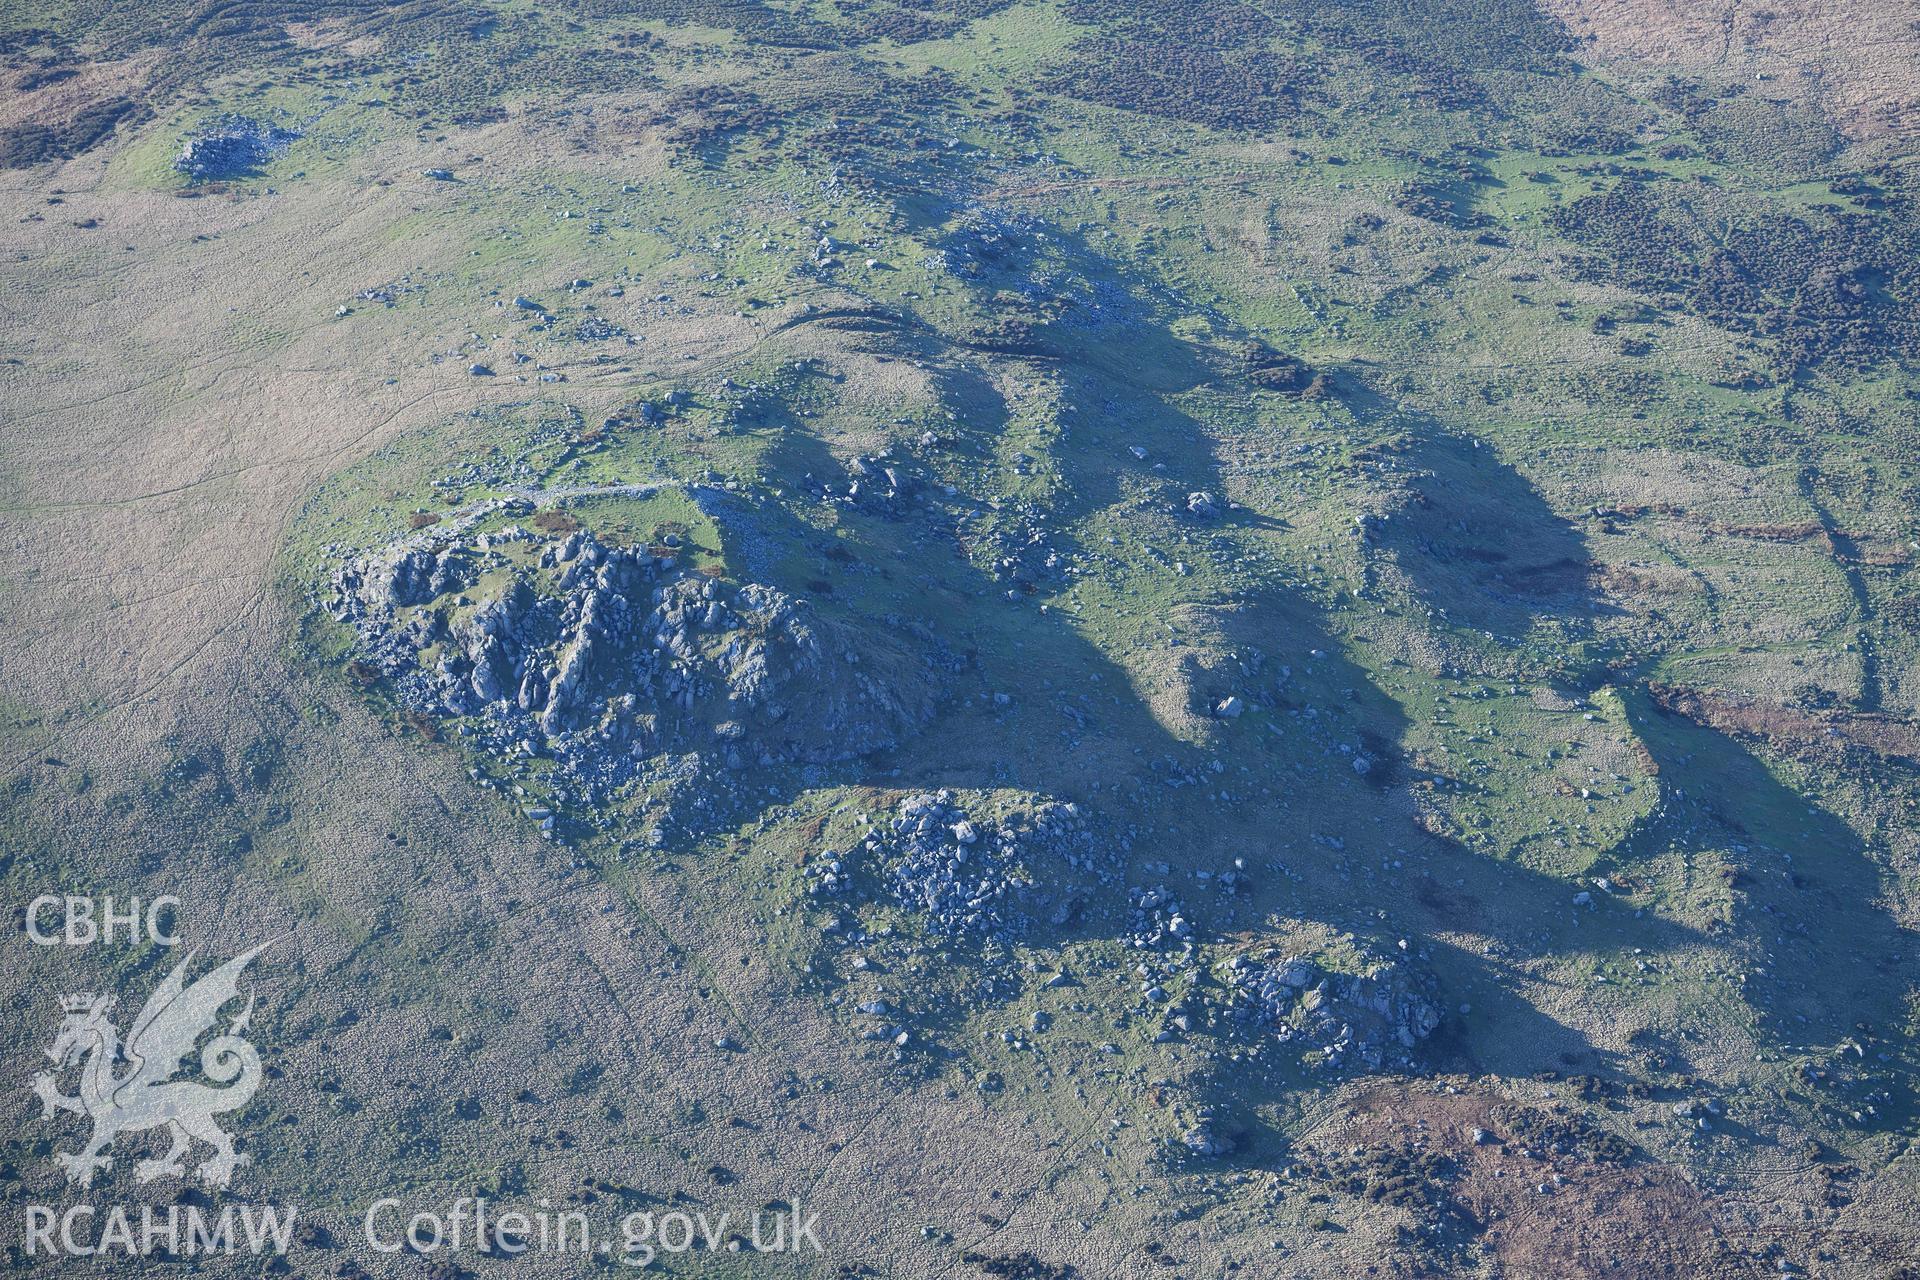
1435	499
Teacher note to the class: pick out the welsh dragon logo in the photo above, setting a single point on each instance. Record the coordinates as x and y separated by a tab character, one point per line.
125	1088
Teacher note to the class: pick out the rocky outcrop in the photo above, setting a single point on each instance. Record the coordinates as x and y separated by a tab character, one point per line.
967	875
1352	1010
235	148
604	655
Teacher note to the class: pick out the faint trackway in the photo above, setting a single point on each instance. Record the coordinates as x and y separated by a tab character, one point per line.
462	518
1143	183
222	366
212	477
458	520
722	361
234	620
1840	547
141	692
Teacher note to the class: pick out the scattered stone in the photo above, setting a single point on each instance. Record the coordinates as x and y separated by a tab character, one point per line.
1154	918
1347	1007
965	875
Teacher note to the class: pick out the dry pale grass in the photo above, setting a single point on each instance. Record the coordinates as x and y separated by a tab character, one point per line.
58	100
1859	58
178	384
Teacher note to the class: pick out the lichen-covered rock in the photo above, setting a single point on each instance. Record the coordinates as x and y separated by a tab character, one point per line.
940	865
968	875
1346	1007
1205	1141
604	655
1154	917
235	147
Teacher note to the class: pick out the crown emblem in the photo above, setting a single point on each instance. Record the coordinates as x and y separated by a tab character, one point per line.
79	1002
